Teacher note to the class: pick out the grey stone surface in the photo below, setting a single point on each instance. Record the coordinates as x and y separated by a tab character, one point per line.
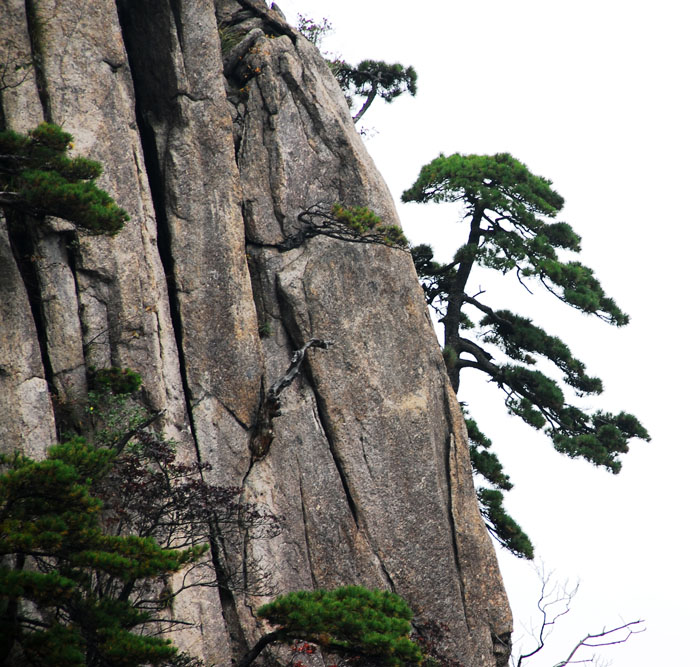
21	106
366	463
26	418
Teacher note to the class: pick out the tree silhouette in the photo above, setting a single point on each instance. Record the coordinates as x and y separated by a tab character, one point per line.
505	206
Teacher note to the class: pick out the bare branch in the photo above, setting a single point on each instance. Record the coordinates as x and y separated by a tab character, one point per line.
603	638
554	603
13	74
520	280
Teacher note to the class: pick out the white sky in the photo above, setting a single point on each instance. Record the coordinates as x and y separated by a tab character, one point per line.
601	98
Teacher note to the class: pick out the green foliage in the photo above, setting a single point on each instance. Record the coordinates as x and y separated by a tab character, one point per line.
520	339
509	211
229	37
349	620
499	523
372	78
112	416
367	80
89	535
503	200
37	177
484	462
117	380
363	221
356	224
56	555
502	526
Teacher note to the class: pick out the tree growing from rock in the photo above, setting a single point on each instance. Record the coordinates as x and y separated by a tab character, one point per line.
506	208
85	574
351	620
368	79
92	535
38	178
374	78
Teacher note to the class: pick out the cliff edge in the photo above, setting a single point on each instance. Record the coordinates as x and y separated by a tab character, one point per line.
211	287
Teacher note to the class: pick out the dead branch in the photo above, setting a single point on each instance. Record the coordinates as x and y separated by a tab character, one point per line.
554	603
295	366
270	406
618	635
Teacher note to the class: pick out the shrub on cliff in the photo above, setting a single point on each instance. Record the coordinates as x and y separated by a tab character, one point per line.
37	177
350	620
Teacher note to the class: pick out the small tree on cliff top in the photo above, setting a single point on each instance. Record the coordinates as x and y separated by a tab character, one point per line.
374	78
505	206
367	80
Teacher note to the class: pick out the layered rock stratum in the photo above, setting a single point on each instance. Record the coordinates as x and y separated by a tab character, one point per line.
210	288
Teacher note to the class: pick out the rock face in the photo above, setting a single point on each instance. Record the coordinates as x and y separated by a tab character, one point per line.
210	288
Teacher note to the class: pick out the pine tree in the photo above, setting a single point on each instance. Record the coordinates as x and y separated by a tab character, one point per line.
505	206
366	80
37	177
372	78
66	585
351	620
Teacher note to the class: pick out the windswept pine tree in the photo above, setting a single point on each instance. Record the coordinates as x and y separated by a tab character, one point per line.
507	209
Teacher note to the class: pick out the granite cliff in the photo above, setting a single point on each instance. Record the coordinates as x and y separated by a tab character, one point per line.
210	288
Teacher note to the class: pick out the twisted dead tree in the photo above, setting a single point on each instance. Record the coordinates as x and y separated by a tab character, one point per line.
270	406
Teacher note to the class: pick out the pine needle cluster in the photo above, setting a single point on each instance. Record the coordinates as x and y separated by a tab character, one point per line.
37	177
350	620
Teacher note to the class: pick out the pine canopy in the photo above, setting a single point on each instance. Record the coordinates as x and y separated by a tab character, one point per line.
350	620
57	556
510	213
37	177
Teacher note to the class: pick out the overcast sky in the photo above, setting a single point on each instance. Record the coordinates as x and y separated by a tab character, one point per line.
601	98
